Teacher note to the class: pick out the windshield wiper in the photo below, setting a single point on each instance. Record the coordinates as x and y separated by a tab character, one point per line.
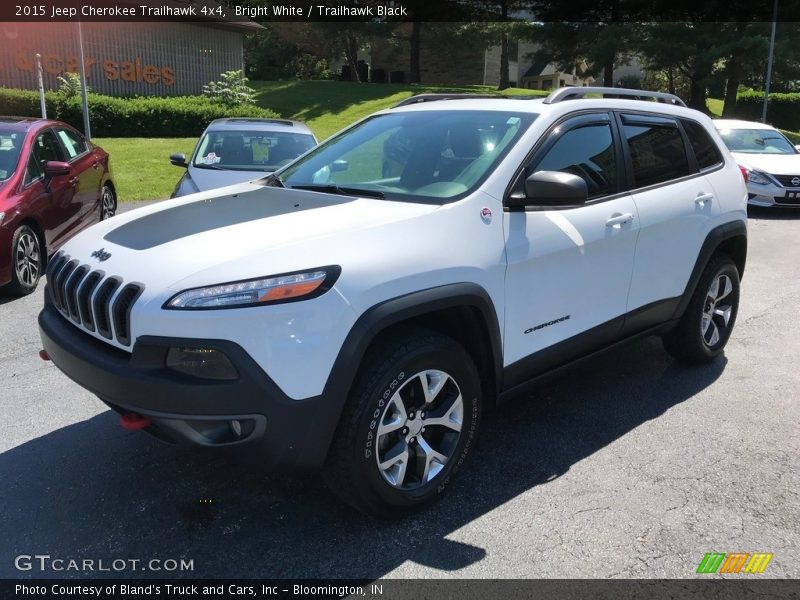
215	167
332	188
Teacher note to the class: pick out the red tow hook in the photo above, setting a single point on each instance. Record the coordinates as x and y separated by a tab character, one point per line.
134	422
44	355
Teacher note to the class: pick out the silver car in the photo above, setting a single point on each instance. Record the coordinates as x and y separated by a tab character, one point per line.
236	150
769	160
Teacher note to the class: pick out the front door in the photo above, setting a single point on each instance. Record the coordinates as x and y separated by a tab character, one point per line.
569	269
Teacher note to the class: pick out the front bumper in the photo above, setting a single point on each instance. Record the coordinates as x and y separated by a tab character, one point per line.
772	195
187	409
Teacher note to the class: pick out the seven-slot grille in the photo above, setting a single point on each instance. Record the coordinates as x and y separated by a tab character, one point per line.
85	297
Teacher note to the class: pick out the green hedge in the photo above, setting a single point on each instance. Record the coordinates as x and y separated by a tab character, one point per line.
185	116
783	110
793	136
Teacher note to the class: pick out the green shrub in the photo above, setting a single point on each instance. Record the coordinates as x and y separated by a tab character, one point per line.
783	110
230	90
793	136
69	85
149	116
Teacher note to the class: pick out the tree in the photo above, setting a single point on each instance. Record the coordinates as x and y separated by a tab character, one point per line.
495	24
600	38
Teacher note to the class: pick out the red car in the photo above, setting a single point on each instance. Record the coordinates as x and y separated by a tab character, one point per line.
53	184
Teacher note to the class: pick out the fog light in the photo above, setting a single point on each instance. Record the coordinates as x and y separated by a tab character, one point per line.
206	363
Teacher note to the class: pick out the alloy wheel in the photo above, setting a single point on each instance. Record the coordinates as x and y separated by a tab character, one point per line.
716	311
109	204
27	258
419	429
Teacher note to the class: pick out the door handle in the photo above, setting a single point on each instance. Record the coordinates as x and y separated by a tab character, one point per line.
617	220
703	198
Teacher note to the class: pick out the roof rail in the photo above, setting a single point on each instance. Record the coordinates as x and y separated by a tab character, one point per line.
433	97
575	93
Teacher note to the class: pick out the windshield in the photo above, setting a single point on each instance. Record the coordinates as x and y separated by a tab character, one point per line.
10	146
757	141
250	150
423	156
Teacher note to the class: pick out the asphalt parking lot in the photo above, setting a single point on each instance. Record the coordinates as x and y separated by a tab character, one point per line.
629	466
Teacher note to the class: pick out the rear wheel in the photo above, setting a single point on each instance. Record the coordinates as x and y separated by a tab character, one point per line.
108	203
408	425
27	261
706	326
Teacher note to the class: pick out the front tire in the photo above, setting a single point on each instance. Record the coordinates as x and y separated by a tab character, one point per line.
27	261
408	426
706	326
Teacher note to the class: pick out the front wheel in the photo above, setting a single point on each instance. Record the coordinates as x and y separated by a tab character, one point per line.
706	326
408	426
27	259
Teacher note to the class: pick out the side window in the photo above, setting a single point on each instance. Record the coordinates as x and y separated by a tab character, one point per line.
587	152
657	152
72	142
45	148
704	147
34	170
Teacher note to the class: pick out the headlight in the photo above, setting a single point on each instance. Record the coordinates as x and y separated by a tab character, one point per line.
758	177
288	287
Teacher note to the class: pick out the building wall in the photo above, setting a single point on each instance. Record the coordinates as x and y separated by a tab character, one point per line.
122	59
455	66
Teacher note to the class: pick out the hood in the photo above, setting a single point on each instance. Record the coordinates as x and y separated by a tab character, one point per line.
776	164
209	179
239	232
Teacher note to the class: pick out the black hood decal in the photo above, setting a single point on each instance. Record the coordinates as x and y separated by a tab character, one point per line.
201	216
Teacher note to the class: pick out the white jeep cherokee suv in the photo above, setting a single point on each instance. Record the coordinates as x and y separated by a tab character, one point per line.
361	306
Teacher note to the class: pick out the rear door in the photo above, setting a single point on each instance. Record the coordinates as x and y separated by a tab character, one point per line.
676	205
88	170
569	268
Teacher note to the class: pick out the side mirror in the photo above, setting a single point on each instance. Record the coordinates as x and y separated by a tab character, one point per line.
178	159
340	165
56	168
553	188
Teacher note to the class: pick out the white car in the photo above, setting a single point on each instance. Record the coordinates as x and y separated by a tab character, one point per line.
770	161
356	311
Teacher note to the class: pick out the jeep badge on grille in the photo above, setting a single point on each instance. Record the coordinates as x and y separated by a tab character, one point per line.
101	254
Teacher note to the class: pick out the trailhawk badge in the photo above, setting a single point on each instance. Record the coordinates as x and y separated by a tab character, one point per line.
486	215
101	254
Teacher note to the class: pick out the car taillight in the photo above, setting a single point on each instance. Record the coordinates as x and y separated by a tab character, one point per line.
744	173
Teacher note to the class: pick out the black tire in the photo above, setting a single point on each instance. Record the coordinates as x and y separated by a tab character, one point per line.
396	369
27	261
108	203
693	341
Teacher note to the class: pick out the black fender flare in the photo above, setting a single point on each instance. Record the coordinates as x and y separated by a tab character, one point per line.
710	245
396	310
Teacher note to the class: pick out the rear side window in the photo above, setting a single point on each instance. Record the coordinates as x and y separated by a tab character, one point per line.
73	143
587	152
657	152
705	150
